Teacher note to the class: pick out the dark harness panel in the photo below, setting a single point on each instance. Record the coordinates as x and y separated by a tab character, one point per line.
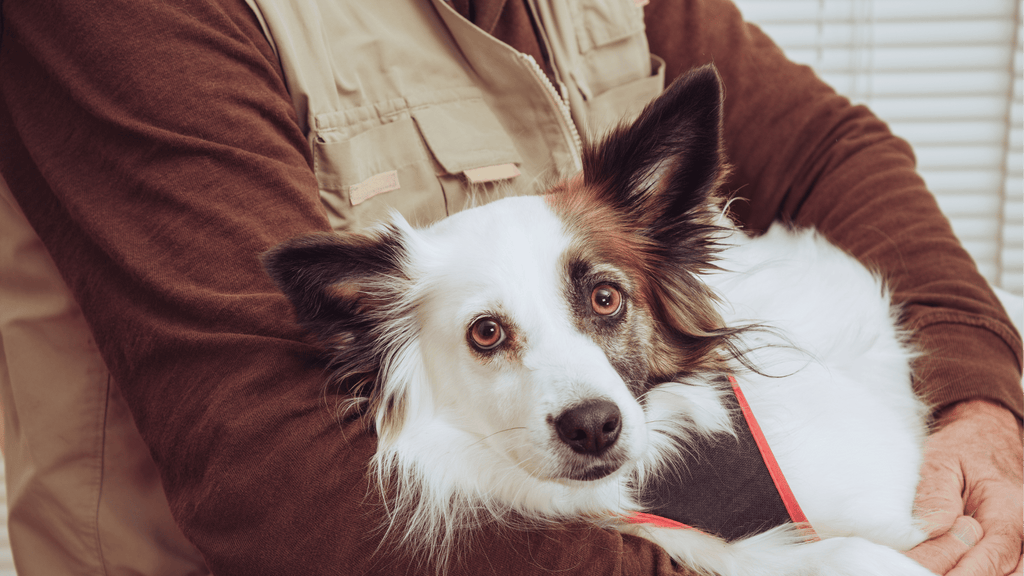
730	487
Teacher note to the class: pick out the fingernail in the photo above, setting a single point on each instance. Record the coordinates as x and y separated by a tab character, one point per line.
967	531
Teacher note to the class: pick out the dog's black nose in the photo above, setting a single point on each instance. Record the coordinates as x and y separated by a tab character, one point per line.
590	427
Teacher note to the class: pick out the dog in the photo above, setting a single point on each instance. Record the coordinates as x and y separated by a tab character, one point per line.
552	357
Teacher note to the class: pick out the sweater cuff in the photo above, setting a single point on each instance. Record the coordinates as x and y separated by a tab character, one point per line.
965	362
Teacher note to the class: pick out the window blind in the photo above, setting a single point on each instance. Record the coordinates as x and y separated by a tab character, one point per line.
946	76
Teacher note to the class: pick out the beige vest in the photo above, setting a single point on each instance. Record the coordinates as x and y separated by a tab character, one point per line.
409	106
406	105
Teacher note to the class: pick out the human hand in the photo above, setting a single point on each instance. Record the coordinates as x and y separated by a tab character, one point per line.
973	466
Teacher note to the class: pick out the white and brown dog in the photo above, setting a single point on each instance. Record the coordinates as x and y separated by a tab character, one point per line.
562	356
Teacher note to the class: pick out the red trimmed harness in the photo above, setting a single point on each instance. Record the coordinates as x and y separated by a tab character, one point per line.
796	515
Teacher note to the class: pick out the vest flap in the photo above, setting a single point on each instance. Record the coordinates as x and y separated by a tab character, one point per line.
601	22
464	134
340	164
623	103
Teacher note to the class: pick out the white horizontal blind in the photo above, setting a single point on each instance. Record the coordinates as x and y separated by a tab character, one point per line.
946	76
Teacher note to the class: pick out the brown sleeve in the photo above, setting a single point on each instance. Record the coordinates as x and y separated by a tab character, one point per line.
805	155
155	150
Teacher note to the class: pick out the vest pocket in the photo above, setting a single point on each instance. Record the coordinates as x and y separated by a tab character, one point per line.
385	167
475	157
602	22
432	156
614	71
624	102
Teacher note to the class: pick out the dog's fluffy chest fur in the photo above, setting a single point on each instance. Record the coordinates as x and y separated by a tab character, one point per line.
540	358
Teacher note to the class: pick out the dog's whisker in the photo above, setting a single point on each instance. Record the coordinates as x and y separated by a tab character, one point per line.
506	430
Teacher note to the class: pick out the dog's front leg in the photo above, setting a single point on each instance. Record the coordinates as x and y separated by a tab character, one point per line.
778	552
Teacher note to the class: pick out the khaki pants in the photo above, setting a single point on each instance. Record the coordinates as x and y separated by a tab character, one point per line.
84	496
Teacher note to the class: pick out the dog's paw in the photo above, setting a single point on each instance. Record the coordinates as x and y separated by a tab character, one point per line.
781	551
859	557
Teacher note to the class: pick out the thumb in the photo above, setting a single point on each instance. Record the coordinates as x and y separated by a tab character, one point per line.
939	502
941	553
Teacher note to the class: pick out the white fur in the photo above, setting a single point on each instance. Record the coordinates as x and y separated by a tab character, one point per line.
476	444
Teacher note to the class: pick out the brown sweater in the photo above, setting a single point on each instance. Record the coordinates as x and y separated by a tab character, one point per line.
155	150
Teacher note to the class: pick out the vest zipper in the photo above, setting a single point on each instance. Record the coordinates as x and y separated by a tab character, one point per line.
563	108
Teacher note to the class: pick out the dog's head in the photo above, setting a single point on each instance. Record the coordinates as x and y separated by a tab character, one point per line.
537	325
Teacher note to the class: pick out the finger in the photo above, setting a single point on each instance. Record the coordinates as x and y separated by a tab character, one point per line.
1019	570
939	502
989	556
999	513
985	559
941	553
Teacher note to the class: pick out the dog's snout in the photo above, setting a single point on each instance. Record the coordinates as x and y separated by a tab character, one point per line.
591	427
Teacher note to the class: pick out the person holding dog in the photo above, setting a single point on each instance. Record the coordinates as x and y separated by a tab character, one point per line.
163	414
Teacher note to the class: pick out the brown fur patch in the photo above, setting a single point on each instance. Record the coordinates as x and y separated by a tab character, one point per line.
647	202
683	318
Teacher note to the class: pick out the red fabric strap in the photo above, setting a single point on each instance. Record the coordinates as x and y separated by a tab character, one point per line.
659	521
785	492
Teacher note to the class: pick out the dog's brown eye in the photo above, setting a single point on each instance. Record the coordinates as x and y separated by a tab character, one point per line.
605	300
486	333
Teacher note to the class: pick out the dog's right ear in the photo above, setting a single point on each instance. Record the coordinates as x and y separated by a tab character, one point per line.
338	284
348	290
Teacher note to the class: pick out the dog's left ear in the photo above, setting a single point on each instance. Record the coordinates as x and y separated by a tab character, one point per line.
665	167
651	189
